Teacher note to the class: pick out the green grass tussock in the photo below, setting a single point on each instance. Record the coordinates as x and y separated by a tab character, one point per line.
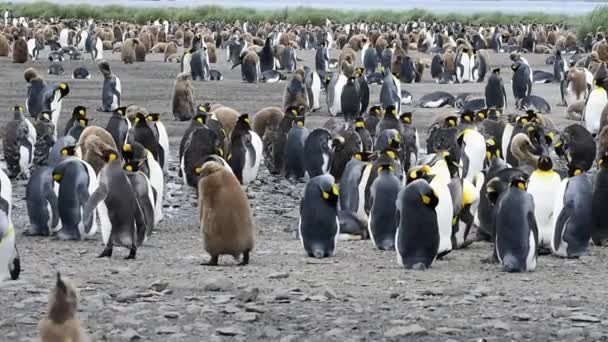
590	23
294	15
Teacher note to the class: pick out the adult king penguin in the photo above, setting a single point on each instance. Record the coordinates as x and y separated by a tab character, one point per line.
245	151
496	96
19	145
383	221
112	89
10	263
596	101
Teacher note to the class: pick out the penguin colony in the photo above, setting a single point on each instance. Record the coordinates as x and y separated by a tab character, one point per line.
487	166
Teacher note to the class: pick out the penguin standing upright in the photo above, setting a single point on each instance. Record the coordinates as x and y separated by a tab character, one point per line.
473	148
390	92
318	152
119	125
417	238
111	91
78	113
45	138
144	194
599	227
10	263
544	185
313	88
145	133
121	217
77	181
354	182
78	127
319	226
516	238
463	66
363	90
595	103
334	93
382	202
201	142
573	216
522	80
496	96
322	57
296	139
367	141
163	139
245	151
350	103
19	145
183	97
267	56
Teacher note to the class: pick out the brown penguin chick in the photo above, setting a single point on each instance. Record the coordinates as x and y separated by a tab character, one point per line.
347	69
140	50
381	44
117	32
227	224
448	62
94	142
145	38
161	37
127	51
578	82
295	94
356	42
575	112
347	54
227	116
542	49
183	97
61	323
159	48
211	53
188	36
267	119
20	53
521	147
602	142
133	110
107	45
341	40
170	50
5	46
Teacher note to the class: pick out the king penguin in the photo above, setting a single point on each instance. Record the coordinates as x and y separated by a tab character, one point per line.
163	139
294	151
390	92
245	151
10	263
319	226
119	125
522	80
596	101
516	238
599	228
350	100
417	239
496	96
111	91
383	221
318	152
354	181
78	113
19	145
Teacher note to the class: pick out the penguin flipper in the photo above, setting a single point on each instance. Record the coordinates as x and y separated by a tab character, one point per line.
560	225
99	195
52	199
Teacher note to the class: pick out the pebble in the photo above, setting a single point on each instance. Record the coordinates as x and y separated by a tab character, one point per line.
230	331
168	330
246	316
193	309
159	286
409	330
570	332
231	309
584	318
522	317
278	275
249	295
126	296
130	335
498	325
171	314
329	293
218	285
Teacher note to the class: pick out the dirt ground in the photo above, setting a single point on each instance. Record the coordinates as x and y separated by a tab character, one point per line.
360	294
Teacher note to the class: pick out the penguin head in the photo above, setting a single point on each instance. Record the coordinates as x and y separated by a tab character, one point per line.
497	71
45	116
363	156
299	121
57	176
293	111
110	156
574	170
359	122
391	110
359	71
519	183
68	151
419	172
64	89
104	67
121	111
451	160
83	122
406	118
140	118
467	117
330	191
200	118
79	112
338	142
375	111
245	120
394	139
204	108
132	166
545	163
153	117
603	160
515	66
390	153
493	113
481	115
451	121
17	109
386	167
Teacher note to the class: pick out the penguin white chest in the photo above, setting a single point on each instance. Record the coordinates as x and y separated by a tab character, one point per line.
544	186
593	109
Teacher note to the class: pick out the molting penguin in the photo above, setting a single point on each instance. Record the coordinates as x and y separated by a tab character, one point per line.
230	231
417	237
496	96
123	221
573	216
296	139
383	220
295	92
111	91
45	138
19	145
275	140
77	181
119	125
516	238
245	151
319	226
318	152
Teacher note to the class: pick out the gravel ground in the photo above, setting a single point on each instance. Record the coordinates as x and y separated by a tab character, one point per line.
360	294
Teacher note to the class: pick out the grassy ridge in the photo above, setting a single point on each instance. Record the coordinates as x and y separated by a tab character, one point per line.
295	15
590	23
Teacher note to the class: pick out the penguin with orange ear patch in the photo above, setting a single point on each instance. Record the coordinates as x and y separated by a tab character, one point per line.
119	125
245	151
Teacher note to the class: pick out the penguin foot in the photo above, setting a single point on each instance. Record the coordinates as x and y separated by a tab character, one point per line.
441	255
32	232
492	259
465	244
544	251
68	237
107	253
212	262
245	260
132	253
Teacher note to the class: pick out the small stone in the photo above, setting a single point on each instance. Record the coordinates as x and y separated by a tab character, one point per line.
409	330
270	332
522	317
171	315
393	295
126	296
318	298
248	295
230	331
255	308
278	275
584	318
497	325
220	284
169	330
246	316
448	331
336	332
159	286
130	335
231	309
193	309
569	332
222	299
329	293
